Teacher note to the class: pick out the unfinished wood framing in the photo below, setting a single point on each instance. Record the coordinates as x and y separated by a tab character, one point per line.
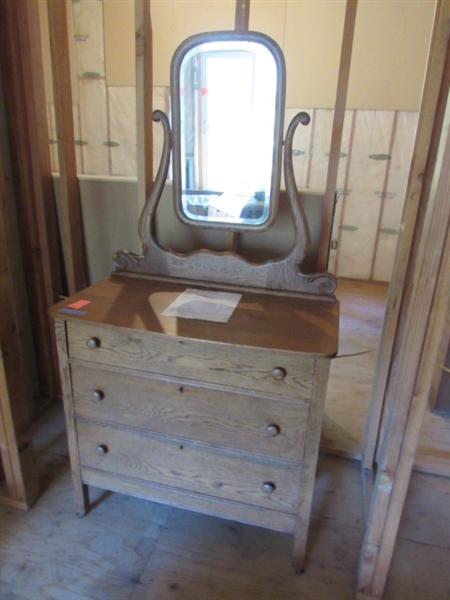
15	379
424	154
144	99
438	399
241	23
17	454
336	135
416	341
242	15
23	84
72	230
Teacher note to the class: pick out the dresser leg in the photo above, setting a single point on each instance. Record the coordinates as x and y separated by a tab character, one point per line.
299	561
299	554
81	499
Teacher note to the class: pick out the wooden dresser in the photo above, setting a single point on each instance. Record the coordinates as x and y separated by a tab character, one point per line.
220	418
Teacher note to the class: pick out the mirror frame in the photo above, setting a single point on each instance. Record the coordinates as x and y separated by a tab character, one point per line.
175	69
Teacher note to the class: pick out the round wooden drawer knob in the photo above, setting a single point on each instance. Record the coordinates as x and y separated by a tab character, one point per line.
93	343
279	373
98	395
102	450
273	429
268	487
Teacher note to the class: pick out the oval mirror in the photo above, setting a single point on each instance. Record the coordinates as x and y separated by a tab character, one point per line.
227	93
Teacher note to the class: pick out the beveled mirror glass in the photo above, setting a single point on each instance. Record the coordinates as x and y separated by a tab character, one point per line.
227	121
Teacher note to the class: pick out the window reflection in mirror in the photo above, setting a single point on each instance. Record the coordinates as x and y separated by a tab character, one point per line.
229	133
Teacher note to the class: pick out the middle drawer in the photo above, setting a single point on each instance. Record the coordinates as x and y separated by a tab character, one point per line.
183	409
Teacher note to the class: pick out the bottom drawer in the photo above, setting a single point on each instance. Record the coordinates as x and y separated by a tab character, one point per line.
187	466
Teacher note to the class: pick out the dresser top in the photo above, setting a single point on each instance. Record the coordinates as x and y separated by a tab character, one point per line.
260	320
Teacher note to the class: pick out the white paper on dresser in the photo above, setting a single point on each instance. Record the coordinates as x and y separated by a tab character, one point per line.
205	305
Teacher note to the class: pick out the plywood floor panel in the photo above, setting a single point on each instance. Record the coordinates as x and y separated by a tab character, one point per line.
350	383
247	563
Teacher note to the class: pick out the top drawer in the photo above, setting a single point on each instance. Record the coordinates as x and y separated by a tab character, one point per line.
274	372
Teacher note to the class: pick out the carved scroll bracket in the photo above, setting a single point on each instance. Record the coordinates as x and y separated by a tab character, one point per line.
225	268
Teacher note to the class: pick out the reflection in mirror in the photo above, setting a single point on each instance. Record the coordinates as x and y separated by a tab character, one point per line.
227	124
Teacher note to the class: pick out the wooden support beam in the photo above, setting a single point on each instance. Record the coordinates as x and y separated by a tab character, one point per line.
72	229
15	378
23	85
242	15
415	347
18	459
241	23
424	153
46	214
144	99
336	135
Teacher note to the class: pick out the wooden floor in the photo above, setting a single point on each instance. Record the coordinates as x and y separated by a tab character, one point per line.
130	549
361	323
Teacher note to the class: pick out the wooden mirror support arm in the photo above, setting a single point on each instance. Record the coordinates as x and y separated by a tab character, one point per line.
208	267
147	217
302	238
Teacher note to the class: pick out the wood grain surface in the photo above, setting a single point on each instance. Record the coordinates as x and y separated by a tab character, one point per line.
259	320
209	362
190	466
213	415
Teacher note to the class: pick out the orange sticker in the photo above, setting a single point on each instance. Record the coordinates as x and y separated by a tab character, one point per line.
79	304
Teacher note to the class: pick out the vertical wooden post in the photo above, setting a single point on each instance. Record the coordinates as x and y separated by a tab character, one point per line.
15	378
242	15
20	55
416	342
144	99
241	23
72	229
336	136
423	152
38	137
